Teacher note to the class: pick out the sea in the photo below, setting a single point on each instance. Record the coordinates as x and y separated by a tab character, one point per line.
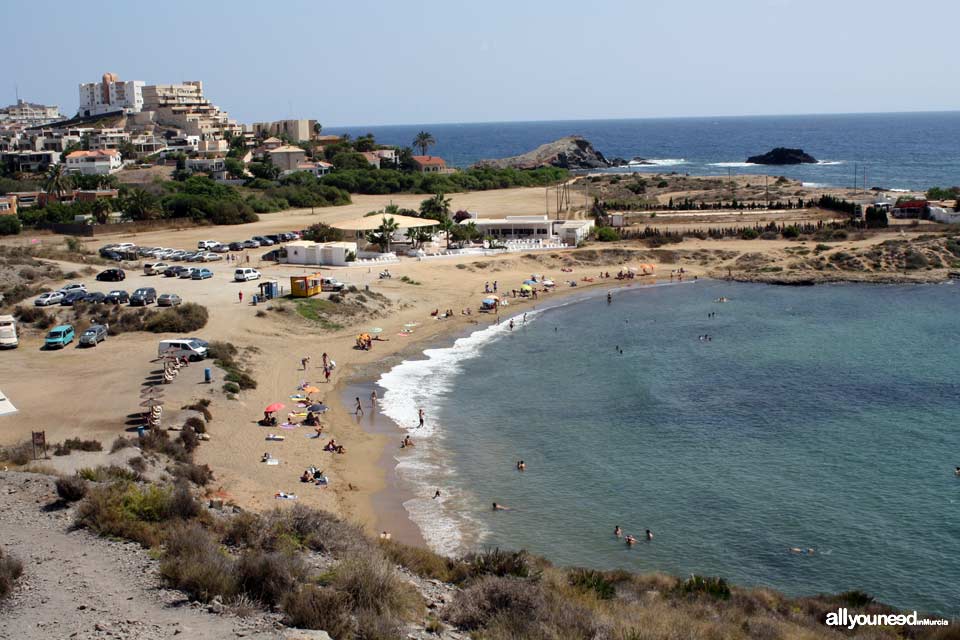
895	151
824	418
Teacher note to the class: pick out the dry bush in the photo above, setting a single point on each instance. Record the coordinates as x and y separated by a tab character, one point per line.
18	455
198	474
426	563
76	444
185	318
374	585
498	562
312	607
201	406
158	441
182	503
122	443
318	530
195	424
10	571
511	602
268	576
138	464
109	473
194	563
71	488
243	529
377	626
188	438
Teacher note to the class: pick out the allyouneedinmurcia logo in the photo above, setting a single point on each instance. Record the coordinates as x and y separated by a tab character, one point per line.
843	618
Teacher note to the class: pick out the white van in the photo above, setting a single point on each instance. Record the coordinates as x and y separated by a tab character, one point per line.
180	347
242	275
331	284
8	332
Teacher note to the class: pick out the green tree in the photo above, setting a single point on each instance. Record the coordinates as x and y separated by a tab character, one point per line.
139	204
437	207
57	181
265	170
317	128
423	141
365	143
127	150
234	167
101	209
181	173
383	235
350	160
321	232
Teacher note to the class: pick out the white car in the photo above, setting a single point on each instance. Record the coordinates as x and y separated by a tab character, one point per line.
124	246
207	244
242	275
48	298
70	288
210	256
154	268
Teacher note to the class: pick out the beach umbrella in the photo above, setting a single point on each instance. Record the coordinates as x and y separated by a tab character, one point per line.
152	403
530	282
276	406
376	330
317	408
311	389
410	325
526	287
490	301
151	391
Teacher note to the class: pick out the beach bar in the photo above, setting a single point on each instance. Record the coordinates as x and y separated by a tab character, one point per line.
306	286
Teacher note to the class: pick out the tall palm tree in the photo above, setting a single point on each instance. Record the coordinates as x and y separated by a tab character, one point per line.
140	205
424	141
437	207
384	233
58	181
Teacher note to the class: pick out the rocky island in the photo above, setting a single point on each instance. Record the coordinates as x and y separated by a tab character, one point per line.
571	152
782	155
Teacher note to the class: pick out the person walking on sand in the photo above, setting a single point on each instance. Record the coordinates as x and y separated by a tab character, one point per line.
304	362
437	494
373	398
326	374
422	416
358	410
494	286
240	297
326	359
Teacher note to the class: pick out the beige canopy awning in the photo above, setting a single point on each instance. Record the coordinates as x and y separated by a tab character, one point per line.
369	223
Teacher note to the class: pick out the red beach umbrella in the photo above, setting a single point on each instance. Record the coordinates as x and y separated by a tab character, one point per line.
276	406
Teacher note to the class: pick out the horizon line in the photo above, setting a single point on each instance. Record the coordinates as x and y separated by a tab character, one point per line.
624	119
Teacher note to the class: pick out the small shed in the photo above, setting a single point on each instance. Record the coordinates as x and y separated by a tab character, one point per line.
306	286
269	289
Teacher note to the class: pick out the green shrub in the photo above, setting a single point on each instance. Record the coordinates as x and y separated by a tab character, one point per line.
184	318
106	512
749	234
607	234
76	444
71	488
109	473
499	562
10	571
194	563
595	581
231	387
312	607
713	587
10	225
268	576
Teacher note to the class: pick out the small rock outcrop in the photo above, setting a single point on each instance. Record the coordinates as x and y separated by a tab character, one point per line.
782	155
572	152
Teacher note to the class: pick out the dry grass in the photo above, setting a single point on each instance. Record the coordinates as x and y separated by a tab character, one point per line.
426	563
71	488
10	571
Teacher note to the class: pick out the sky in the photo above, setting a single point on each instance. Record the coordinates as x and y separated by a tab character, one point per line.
365	62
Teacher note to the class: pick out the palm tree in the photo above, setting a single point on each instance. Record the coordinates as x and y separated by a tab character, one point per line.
140	205
424	141
383	234
436	207
57	181
101	210
447	225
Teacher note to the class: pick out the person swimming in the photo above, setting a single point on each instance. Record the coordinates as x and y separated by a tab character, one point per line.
500	507
630	540
649	535
617	531
957	472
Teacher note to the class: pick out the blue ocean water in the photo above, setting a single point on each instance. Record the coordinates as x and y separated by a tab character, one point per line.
822	417
897	151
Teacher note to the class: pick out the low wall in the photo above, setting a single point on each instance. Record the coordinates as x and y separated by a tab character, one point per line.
90	230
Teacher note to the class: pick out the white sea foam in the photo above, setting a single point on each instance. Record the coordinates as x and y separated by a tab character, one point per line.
813	185
732	164
829	162
416	384
658	162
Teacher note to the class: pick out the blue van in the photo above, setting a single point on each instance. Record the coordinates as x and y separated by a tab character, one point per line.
59	337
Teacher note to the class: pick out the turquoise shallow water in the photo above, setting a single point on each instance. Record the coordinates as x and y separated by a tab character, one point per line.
823	417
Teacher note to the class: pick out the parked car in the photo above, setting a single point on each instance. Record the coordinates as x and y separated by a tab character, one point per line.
8	332
207	244
112	275
77	286
111	255
286	236
220	248
59	337
93	335
236	246
199	341
264	241
209	256
179	254
94	297
168	300
108	247
117	296
195	257
154	268
174	271
69	299
48	298
143	296
251	244
202	274
274	238
181	347
331	284
125	246
187	273
246	273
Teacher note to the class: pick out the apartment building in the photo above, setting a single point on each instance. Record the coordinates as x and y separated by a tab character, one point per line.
30	114
184	106
98	162
293	130
111	94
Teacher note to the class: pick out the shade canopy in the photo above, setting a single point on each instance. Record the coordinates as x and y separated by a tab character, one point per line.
370	223
276	406
317	408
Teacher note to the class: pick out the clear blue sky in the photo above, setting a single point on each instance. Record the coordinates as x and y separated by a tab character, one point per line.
358	62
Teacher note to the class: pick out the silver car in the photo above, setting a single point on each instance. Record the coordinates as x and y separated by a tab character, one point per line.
92	336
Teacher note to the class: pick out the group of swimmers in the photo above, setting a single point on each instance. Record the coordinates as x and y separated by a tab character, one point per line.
629	539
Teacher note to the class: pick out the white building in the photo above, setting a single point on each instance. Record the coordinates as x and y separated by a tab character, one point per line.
30	114
215	167
111	94
319	253
531	229
316	168
99	162
573	232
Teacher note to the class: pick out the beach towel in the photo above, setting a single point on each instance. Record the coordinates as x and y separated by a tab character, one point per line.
298	396
300	405
280	495
273	436
288	426
403	334
273	462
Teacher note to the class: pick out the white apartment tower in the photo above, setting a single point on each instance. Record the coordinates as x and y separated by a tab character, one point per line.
111	95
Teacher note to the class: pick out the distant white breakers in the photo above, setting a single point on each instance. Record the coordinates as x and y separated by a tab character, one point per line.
532	229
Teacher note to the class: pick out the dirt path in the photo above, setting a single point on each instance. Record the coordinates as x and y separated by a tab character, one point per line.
76	585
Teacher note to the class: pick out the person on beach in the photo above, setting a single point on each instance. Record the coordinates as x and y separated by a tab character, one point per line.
358	410
617	531
326	374
373	398
957	472
500	507
240	297
304	361
422	416
406	442
511	324
649	535
609	297
437	494
326	360
494	286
